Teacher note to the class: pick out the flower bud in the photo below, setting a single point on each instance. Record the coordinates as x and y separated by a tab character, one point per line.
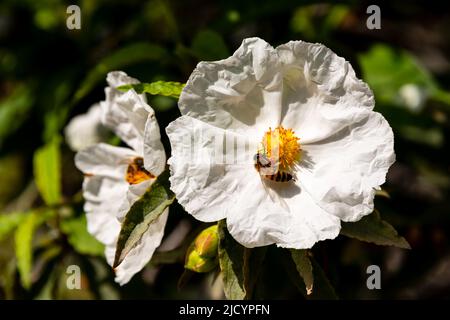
201	255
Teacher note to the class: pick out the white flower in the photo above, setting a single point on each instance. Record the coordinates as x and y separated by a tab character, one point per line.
115	177
299	101
85	130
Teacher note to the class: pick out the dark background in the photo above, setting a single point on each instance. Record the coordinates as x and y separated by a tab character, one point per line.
50	74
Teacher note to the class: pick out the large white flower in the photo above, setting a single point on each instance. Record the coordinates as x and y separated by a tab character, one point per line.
301	108
115	177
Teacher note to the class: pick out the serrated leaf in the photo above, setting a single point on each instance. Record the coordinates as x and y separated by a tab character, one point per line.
123	57
47	171
373	229
240	266
80	239
10	221
142	214
24	247
304	268
164	88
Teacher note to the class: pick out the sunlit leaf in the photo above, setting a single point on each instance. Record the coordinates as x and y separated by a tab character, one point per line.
125	56
80	239
9	222
24	247
164	88
304	268
47	171
240	266
373	229
142	214
387	70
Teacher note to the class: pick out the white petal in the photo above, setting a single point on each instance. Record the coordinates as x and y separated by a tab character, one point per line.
259	219
103	197
238	93
125	112
105	160
322	94
342	172
206	177
140	255
154	154
104	188
86	129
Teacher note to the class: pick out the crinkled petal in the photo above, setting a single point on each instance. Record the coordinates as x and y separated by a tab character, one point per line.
86	129
238	93
321	93
125	112
154	154
141	254
342	172
286	216
207	176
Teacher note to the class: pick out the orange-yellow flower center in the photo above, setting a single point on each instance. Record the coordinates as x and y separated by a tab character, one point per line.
282	147
136	173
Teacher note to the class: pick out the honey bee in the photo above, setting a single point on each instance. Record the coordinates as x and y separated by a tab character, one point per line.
263	162
136	173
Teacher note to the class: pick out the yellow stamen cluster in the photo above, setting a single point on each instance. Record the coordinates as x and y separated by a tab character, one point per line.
282	146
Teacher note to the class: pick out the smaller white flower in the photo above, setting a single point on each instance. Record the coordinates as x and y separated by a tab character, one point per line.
86	129
115	177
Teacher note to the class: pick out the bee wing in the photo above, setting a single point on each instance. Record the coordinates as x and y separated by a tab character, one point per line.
125	161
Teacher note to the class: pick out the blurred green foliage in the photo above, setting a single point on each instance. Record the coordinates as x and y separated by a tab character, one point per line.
50	74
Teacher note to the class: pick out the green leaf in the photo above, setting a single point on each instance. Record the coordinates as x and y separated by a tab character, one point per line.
14	110
209	45
9	222
119	59
163	88
80	239
47	171
24	247
387	70
240	266
373	229
304	268
142	214
323	289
